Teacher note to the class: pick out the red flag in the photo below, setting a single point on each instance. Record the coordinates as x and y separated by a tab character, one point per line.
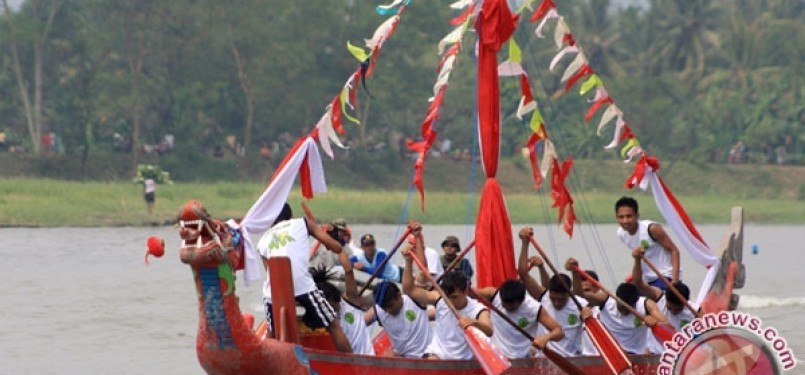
595	106
532	156
525	89
542	10
335	115
584	71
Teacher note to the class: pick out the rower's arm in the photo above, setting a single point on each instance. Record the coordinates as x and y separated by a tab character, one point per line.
650	292
596	298
487	293
555	332
420	295
523	267
659	235
484	323
654	311
329	242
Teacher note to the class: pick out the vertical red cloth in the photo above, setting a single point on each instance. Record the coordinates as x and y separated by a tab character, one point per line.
494	248
495	25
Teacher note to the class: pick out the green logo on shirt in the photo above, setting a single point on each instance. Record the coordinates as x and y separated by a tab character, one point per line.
410	315
279	240
572	319
522	322
349	318
683	322
637	322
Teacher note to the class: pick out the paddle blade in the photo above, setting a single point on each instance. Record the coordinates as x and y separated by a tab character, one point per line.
382	343
492	361
612	353
562	362
663	332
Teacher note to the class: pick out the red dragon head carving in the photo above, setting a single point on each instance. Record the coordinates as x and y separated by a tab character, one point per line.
207	241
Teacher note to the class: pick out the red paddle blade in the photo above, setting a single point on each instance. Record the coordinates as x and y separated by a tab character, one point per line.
663	332
381	343
612	353
492	361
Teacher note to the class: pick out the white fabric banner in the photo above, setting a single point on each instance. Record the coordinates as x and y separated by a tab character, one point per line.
265	210
697	249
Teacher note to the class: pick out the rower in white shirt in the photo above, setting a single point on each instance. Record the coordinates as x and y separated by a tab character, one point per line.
404	320
511	299
629	331
448	340
555	300
669	304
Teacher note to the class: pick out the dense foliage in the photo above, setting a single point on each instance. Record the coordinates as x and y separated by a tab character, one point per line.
693	77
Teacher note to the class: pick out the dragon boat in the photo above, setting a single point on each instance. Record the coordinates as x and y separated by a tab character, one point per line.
228	341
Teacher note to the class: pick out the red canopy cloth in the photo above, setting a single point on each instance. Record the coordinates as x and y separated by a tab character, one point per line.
494	248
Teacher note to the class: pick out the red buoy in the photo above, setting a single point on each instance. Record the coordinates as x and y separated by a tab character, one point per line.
155	246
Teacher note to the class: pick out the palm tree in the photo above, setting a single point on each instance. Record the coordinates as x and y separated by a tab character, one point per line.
686	35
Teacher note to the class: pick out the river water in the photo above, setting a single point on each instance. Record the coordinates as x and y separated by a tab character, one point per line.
82	301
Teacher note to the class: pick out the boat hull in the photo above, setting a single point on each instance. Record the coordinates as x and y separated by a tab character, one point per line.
324	362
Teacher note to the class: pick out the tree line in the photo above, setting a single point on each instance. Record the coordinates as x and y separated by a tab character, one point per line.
693	77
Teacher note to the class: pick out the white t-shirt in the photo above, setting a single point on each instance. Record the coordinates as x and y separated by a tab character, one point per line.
354	327
656	253
676	320
449	341
508	339
289	238
409	331
569	318
149	185
627	329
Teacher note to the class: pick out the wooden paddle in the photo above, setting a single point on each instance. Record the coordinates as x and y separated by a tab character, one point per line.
456	261
670	286
553	356
382	265
490	360
612	353
662	332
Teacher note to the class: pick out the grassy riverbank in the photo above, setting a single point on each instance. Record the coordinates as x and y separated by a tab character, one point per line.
44	202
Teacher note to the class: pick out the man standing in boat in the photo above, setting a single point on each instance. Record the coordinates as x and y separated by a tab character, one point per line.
661	250
448	340
289	237
555	301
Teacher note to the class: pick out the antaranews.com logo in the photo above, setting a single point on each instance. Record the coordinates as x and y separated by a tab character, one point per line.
728	342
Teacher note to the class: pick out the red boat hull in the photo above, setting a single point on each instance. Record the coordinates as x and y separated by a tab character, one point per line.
323	362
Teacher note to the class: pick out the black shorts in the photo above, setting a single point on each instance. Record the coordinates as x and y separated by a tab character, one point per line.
149	197
318	312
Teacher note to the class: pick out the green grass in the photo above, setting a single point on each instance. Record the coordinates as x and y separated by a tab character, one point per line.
45	202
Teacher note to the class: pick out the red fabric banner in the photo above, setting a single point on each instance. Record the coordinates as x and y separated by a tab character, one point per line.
495	25
494	247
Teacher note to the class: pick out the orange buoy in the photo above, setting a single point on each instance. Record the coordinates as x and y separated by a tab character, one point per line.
155	246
